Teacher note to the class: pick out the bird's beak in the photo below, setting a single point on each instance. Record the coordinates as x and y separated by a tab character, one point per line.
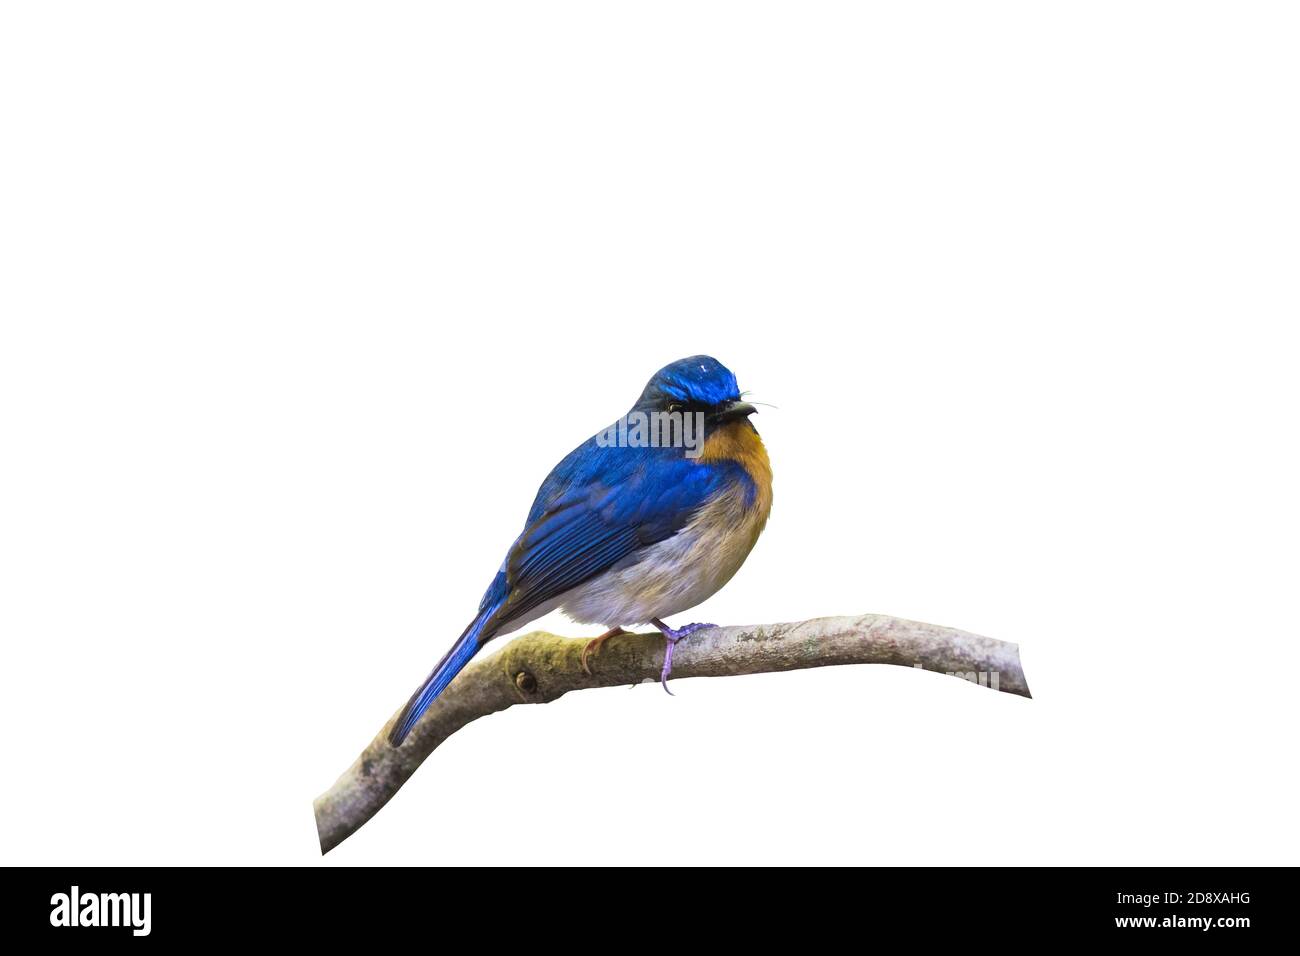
735	411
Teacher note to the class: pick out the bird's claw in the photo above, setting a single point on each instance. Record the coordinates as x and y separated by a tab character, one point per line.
594	645
671	637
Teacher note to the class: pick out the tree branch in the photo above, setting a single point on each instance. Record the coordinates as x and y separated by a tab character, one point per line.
539	667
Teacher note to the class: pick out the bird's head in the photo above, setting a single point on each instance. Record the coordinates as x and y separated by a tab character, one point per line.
697	384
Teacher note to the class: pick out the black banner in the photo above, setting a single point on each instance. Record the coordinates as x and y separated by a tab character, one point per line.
1175	906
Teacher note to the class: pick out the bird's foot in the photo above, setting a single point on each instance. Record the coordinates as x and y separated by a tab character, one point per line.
594	645
672	636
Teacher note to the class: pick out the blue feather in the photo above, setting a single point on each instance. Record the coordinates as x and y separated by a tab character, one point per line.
452	663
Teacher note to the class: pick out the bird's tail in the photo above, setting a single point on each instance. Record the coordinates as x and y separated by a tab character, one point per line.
453	661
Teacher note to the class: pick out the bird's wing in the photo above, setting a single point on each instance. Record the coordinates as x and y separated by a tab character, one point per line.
596	508
585	529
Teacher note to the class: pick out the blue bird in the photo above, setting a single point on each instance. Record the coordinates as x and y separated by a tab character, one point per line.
642	521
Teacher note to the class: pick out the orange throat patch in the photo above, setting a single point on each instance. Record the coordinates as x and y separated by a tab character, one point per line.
739	442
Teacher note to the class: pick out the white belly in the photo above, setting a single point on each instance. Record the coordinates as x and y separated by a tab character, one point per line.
676	574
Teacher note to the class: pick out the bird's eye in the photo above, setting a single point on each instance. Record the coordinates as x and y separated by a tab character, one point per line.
674	407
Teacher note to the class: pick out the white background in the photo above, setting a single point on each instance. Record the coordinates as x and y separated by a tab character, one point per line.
301	302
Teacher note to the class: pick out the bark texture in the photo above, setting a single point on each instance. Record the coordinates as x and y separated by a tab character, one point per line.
540	667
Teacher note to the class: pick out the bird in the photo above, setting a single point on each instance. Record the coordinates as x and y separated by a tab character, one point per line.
628	528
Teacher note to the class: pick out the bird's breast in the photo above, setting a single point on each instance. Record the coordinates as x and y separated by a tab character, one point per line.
739	442
730	524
